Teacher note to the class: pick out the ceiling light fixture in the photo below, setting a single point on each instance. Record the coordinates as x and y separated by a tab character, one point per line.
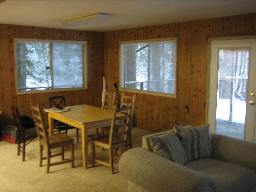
95	17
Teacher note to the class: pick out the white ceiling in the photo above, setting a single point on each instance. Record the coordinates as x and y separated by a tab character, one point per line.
124	13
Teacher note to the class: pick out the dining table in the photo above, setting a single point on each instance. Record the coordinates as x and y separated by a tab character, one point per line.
83	117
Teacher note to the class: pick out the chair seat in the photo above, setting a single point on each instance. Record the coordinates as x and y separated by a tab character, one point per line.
27	135
104	141
29	139
27	130
59	139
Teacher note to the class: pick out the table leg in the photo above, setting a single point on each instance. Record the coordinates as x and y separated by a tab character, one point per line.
51	124
84	139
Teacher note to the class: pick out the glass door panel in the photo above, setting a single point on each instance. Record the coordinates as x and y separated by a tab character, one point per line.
232	92
232	88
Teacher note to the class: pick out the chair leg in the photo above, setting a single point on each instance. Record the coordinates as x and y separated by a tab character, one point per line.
77	135
48	160
97	132
41	156
73	155
62	152
18	148
23	150
93	154
111	160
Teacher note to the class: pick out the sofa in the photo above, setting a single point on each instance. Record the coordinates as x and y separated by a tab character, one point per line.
231	167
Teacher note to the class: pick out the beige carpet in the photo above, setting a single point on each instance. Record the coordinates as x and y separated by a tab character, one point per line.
18	176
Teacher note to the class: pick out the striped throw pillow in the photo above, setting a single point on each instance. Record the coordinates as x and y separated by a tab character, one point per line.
196	141
169	147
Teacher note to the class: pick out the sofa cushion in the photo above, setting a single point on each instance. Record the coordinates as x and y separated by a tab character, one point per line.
146	138
227	177
196	141
169	147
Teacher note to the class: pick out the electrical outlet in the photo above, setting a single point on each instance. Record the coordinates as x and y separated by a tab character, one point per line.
186	109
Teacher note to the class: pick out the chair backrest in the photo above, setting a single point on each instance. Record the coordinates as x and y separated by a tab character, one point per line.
57	101
40	127
128	101
18	121
120	125
116	96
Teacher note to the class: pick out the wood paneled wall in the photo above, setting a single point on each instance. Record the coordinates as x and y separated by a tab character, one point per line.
8	95
161	113
151	112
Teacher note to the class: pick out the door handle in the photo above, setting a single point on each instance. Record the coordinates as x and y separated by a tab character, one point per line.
252	102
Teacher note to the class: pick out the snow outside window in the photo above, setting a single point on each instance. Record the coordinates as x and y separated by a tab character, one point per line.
46	65
149	66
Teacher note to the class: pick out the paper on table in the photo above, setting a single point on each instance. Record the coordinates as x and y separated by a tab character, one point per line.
54	109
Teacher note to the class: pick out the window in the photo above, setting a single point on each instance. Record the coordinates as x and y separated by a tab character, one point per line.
48	65
149	66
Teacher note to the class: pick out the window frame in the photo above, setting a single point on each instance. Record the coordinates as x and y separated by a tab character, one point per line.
52	89
170	95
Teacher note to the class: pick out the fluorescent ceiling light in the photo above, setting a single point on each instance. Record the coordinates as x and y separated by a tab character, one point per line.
95	17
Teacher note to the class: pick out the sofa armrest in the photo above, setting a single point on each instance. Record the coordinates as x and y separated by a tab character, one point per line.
155	173
234	151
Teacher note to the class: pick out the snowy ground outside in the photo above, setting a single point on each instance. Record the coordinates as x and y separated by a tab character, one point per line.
235	127
239	110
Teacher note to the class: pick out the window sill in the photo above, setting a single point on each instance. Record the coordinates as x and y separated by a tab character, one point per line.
49	90
149	93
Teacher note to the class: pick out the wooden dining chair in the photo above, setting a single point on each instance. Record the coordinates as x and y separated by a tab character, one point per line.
108	102
128	101
60	102
49	142
117	137
25	134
